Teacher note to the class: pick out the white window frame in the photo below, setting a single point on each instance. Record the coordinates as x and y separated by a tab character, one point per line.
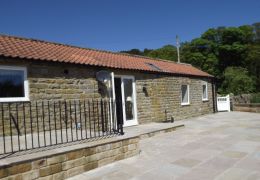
188	89
207	96
26	85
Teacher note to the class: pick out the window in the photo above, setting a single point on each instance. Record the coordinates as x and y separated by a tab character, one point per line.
205	92
153	66
185	99
13	84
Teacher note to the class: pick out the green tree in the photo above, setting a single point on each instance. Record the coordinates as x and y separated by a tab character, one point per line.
201	54
214	35
253	64
147	51
134	51
232	55
256	29
234	47
248	34
237	81
168	52
219	48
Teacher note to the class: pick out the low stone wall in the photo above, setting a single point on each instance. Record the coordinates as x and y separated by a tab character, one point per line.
241	99
247	107
70	163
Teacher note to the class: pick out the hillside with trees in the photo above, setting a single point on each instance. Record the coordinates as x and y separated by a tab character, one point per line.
231	54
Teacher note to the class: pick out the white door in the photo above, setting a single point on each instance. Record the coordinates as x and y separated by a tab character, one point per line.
129	101
127	94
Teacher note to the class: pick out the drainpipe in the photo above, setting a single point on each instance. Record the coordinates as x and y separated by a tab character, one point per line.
213	85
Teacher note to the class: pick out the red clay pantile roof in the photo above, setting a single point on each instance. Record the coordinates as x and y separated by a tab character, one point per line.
17	47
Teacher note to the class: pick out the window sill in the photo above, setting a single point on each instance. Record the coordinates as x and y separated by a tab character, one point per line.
185	104
205	100
14	100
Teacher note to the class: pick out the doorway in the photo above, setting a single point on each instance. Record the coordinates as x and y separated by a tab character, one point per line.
125	97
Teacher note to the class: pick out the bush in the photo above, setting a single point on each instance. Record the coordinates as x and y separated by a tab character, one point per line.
255	98
237	81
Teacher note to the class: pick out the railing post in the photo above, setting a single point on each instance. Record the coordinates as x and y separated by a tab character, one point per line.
102	116
3	126
120	121
66	120
121	129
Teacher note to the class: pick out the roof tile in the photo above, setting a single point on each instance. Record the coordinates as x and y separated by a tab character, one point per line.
11	46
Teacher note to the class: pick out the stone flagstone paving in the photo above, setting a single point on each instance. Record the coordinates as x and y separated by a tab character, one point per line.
222	146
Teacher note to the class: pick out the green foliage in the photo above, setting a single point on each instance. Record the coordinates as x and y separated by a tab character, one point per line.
256	29
231	55
147	51
253	64
248	33
134	51
255	98
223	47
232	35
166	52
213	35
201	53
237	81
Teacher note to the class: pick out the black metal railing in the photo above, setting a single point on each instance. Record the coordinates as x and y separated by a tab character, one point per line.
31	125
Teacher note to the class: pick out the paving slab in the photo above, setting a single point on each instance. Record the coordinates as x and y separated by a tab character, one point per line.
234	174
187	162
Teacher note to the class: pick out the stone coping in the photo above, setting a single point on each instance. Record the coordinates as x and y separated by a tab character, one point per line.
248	105
140	131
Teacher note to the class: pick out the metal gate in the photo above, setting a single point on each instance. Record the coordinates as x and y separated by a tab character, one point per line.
223	103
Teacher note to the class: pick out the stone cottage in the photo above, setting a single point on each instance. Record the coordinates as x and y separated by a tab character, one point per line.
148	90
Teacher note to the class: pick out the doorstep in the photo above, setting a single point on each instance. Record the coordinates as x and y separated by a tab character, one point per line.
151	129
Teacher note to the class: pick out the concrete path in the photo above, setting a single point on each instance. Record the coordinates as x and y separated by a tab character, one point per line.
216	146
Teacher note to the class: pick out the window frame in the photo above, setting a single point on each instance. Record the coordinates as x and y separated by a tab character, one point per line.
207	93
188	91
25	83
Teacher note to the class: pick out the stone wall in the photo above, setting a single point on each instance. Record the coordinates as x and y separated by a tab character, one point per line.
68	164
163	98
247	107
50	80
55	81
241	99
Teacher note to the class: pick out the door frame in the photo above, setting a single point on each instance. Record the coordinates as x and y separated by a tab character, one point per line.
135	120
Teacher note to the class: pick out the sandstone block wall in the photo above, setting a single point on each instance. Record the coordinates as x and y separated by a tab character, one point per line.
162	99
71	163
247	108
56	81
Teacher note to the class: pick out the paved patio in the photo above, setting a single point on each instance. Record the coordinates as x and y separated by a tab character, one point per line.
216	146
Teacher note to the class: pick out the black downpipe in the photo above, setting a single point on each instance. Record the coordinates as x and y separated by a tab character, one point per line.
213	84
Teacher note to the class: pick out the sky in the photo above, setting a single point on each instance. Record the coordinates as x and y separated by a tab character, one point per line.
117	25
